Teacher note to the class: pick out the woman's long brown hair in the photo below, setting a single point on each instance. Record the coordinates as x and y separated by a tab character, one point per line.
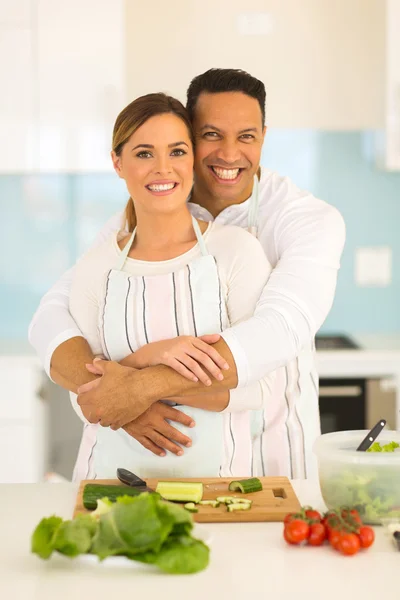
134	116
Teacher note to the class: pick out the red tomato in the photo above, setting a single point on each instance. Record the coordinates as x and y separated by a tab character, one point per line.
334	537
317	534
367	536
289	517
348	544
297	531
353	514
313	515
287	539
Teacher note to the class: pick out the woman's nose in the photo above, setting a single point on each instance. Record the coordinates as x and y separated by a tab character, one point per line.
163	165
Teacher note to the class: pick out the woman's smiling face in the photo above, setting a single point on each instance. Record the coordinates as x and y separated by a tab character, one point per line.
157	164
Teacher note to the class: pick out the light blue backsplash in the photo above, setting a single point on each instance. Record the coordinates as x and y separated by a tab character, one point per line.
48	220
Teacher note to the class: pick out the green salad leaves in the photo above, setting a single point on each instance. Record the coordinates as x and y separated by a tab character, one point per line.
390	447
143	528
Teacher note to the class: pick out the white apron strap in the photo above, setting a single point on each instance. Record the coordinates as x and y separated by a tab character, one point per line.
200	239
124	254
253	209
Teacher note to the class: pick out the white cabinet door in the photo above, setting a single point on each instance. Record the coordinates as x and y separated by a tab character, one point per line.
16	98
391	148
81	75
15	12
23	421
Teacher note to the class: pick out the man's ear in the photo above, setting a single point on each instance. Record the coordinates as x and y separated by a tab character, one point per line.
116	160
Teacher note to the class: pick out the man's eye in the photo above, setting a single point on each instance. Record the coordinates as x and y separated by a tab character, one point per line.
178	152
247	136
143	154
211	134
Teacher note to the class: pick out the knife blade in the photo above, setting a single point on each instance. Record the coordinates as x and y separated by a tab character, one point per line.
129	478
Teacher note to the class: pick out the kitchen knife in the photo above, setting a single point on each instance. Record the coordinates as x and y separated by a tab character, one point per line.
372	435
129	478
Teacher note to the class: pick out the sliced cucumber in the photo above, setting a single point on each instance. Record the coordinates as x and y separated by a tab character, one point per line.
213	503
238	506
246	486
191	507
180	491
226	499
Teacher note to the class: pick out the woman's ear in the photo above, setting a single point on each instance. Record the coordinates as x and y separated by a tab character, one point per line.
116	160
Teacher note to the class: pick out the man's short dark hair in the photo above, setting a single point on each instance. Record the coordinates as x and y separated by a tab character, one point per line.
216	81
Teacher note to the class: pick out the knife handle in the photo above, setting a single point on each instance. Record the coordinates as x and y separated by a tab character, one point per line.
130	478
372	435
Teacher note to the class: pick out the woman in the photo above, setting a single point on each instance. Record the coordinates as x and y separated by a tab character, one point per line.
171	276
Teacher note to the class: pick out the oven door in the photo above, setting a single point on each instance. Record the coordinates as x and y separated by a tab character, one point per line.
342	404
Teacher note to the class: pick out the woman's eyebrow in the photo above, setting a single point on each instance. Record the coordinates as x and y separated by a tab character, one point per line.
151	146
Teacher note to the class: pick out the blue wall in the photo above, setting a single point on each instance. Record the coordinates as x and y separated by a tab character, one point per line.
48	220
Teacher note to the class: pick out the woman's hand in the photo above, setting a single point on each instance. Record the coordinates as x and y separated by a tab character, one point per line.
185	354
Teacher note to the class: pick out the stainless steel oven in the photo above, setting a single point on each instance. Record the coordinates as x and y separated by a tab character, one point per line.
352	403
342	404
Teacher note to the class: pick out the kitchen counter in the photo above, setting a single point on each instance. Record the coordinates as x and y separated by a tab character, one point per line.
249	560
378	356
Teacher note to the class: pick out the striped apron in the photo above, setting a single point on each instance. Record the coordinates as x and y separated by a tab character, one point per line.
138	310
284	431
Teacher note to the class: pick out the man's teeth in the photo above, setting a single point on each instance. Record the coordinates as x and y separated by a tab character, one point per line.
164	187
226	173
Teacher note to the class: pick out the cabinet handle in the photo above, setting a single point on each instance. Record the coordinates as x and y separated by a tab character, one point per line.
337	390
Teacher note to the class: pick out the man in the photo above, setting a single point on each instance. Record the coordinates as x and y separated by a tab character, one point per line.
303	239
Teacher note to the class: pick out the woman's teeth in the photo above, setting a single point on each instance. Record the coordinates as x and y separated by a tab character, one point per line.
164	187
226	173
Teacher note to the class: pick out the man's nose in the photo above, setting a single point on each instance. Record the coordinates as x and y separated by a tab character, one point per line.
229	152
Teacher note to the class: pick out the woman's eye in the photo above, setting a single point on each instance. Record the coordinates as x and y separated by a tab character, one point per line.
143	154
178	152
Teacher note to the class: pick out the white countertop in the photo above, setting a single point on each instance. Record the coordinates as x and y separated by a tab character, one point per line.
378	356
249	560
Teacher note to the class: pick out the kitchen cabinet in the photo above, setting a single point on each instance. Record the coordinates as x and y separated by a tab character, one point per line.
322	62
62	68
388	141
81	73
17	101
23	420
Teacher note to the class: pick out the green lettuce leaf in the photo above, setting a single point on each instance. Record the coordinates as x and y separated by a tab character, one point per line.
43	536
131	527
183	555
75	537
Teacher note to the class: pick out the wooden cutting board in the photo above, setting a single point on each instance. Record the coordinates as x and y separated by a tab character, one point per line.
276	499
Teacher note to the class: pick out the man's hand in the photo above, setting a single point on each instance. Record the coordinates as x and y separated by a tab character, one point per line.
115	399
154	433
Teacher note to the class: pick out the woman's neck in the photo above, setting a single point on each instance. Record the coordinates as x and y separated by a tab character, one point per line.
155	233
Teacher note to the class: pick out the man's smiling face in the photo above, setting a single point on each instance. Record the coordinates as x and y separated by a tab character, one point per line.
229	137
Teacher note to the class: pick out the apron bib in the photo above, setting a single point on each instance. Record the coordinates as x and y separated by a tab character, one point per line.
142	309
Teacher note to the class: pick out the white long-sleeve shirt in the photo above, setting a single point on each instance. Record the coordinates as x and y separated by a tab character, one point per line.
303	239
243	271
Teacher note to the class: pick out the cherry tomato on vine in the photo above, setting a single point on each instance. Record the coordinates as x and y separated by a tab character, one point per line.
296	531
348	544
366	535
